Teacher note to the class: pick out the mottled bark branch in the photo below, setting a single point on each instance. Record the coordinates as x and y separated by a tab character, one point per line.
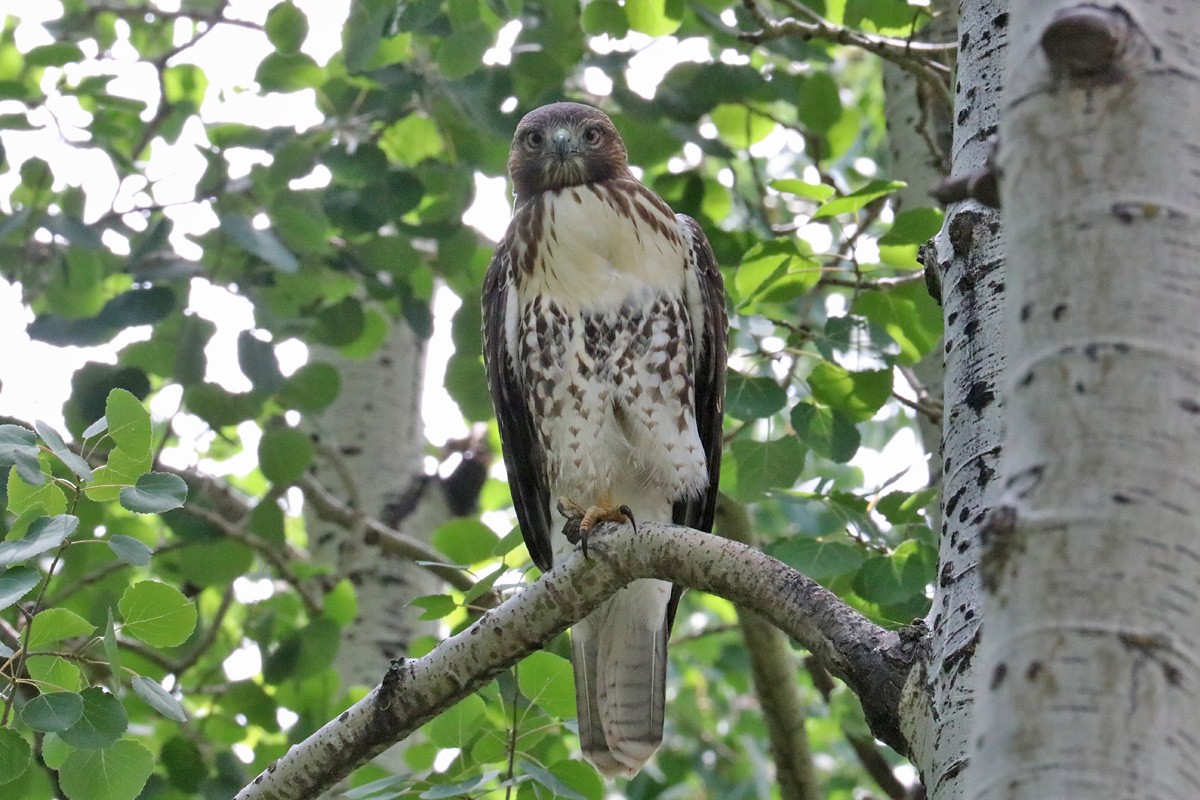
872	660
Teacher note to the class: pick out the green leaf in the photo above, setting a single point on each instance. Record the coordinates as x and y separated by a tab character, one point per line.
56	624
304	652
158	698
261	243
827	432
102	723
157	614
859	394
654	17
17	582
855	201
465	540
281	72
96	428
899	578
762	466
53	711
909	315
45	533
752	398
436	606
185	764
363	30
456	726
128	422
548	779
819	560
57	446
54	55
54	673
311	388
286	27
129	428
739	124
154	493
813	191
775	271
461	53
546	679
130	550
915	226
341	323
24	496
15	755
258	362
284	454
115	773
13	438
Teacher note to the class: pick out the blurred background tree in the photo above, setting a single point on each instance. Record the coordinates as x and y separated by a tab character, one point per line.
269	222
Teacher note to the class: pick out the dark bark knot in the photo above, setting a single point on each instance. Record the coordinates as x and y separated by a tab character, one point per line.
1086	43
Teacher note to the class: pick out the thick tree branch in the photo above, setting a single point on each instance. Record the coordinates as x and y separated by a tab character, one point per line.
872	660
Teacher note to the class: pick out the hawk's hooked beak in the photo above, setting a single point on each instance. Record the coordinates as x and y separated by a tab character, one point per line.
562	143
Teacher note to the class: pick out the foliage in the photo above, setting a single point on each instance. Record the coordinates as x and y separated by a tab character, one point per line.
338	231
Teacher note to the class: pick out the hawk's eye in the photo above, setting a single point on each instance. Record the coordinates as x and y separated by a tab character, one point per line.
592	135
535	138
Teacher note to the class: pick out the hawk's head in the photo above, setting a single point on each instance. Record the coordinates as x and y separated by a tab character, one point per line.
565	144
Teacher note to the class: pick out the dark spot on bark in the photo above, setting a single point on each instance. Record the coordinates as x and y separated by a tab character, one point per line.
971	328
979	396
1189	405
1028	379
1000	20
965	514
969	614
997	287
962	227
952	503
1121	499
1033	670
986	473
1080	388
963	547
385	361
964	41
350	450
998	675
952	317
1026	312
1059	310
946	574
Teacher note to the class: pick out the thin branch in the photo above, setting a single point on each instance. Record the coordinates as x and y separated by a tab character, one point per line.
390	540
876	766
873	660
880	284
773	667
910	55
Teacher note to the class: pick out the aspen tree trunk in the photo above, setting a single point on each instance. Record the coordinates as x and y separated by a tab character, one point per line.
1092	559
966	258
373	447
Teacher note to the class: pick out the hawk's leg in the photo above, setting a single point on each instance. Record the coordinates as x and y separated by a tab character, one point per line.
580	521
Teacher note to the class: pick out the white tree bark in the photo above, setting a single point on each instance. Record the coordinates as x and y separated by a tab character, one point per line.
1092	559
372	454
936	712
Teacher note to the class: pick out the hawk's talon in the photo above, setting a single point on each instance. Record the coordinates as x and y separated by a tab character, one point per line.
580	521
628	512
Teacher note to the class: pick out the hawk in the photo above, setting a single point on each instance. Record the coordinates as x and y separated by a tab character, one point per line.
604	337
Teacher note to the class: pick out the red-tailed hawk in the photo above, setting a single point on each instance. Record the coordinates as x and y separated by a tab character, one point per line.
604	336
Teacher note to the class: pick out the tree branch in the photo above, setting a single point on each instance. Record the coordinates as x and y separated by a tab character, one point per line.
910	55
872	660
773	667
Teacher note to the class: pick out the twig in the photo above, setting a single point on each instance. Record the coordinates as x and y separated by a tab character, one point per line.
908	54
390	540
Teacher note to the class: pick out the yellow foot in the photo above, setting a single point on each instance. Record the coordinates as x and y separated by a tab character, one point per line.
580	521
